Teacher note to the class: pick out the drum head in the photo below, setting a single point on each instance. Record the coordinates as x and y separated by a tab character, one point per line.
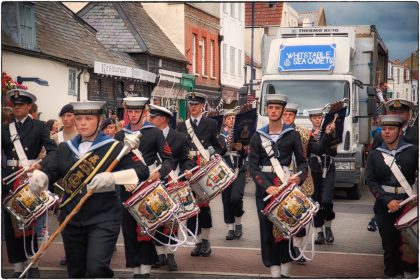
408	218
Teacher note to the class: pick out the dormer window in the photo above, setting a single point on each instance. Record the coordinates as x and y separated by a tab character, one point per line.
26	25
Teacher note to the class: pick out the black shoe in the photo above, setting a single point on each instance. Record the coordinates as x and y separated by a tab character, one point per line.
230	235
320	239
15	275
284	276
372	226
141	276
63	261
161	261
196	251
329	237
172	266
238	231
296	253
33	273
205	250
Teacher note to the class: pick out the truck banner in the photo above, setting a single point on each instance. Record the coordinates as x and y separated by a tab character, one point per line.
307	57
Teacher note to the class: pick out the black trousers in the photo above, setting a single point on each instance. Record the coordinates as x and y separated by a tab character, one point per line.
323	194
89	249
272	253
14	245
204	220
391	240
232	199
136	252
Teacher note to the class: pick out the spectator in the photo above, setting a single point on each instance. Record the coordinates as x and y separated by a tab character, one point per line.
53	126
109	127
33	113
7	115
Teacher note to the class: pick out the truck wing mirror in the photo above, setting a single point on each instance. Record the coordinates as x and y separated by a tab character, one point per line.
371	91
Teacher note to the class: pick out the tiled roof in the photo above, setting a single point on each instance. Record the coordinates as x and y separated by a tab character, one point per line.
62	34
126	27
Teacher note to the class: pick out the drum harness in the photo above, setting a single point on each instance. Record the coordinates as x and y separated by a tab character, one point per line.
14	137
267	144
389	158
196	141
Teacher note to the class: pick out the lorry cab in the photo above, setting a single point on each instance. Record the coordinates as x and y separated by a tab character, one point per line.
318	66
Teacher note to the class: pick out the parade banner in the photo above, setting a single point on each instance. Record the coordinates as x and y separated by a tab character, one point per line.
339	117
245	126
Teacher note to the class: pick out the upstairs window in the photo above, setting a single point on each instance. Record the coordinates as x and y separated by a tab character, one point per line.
26	23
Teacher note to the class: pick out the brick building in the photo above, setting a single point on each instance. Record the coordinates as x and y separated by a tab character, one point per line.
202	51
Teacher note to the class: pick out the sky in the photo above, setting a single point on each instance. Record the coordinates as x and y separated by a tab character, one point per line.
397	22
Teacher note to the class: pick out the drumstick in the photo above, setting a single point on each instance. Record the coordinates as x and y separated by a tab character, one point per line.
405	201
283	185
146	181
23	170
181	176
129	144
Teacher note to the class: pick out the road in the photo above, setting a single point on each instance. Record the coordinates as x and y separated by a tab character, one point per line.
356	252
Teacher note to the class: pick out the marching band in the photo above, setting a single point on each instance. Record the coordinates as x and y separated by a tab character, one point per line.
156	183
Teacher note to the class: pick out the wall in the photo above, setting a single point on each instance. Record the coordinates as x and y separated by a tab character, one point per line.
289	18
204	26
170	18
258	34
50	98
233	31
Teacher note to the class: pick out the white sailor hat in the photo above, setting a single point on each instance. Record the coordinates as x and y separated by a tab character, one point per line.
399	105
228	112
391	120
135	102
276	98
88	107
292	107
196	97
315	112
19	96
159	111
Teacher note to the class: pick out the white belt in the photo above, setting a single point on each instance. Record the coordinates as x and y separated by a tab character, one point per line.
233	153
193	153
267	168
17	163
391	189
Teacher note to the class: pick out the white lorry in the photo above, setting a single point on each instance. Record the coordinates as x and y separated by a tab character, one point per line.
318	65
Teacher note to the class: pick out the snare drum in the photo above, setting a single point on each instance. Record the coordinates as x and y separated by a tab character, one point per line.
214	177
407	224
291	210
26	207
182	194
151	206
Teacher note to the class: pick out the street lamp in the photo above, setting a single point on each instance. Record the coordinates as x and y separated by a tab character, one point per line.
37	80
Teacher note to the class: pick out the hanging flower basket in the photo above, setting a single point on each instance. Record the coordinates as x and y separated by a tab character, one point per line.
7	83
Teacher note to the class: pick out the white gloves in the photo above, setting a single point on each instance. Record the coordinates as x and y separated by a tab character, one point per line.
103	180
38	182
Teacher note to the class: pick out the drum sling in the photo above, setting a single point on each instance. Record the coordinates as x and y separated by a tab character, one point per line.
82	172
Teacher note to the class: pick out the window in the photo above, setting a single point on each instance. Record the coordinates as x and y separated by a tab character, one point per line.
232	60
413	96
239	11
407	75
26	22
194	54
398	77
232	10
224	66
225	8
72	82
101	87
211	58
239	62
203	57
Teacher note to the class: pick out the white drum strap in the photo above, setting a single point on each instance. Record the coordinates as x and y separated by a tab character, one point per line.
14	137
196	141
60	137
274	161
390	161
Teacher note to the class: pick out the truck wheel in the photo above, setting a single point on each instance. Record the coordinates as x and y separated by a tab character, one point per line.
356	191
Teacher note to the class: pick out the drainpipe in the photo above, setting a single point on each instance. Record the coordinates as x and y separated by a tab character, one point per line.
78	83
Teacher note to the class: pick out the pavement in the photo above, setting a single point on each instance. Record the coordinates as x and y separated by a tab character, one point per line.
356	252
